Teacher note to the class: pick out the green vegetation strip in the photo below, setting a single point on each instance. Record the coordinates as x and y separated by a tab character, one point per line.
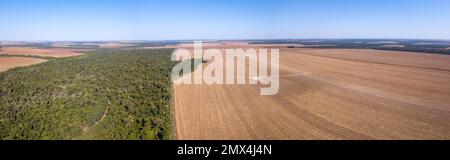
106	94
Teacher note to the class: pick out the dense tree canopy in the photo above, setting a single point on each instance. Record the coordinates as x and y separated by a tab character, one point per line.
107	94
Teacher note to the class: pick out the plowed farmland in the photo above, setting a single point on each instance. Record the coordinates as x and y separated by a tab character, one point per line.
7	63
53	52
327	94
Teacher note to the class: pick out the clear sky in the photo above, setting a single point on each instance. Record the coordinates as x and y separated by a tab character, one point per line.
222	19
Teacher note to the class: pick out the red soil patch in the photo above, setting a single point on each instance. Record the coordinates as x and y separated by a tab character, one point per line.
54	52
7	63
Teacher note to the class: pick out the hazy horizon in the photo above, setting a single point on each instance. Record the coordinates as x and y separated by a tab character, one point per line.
120	20
213	40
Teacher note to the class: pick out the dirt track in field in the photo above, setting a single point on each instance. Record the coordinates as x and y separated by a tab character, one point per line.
53	52
7	63
327	94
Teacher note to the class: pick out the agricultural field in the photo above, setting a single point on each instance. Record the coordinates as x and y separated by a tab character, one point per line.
127	93
7	63
48	52
408	45
326	94
105	94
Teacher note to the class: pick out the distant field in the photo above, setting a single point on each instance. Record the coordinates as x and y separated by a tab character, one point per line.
116	45
327	94
423	46
51	52
7	63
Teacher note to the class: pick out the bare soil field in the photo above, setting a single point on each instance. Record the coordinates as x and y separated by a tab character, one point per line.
53	52
327	94
116	45
232	45
162	47
7	63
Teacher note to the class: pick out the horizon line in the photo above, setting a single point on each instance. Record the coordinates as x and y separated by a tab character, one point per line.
237	39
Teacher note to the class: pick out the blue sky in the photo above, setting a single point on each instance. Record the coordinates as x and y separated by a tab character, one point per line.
222	19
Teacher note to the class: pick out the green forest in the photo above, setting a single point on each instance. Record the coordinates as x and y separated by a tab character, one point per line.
105	94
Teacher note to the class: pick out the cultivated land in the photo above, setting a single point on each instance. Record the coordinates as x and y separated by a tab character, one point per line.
324	93
51	52
327	94
7	63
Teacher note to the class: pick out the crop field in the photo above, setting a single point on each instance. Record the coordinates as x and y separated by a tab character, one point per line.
115	45
105	94
7	63
51	52
327	94
128	94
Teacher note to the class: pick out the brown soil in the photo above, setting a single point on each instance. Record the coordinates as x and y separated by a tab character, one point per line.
7	63
327	94
54	52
